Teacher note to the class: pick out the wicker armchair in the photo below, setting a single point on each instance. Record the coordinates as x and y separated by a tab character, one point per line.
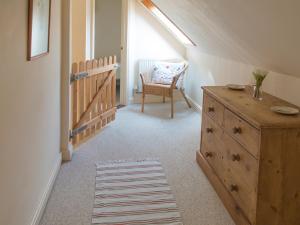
164	90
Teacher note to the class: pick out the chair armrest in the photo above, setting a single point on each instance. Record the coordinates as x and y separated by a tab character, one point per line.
174	81
178	74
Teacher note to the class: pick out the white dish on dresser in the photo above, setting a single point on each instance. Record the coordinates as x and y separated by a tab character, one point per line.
237	87
285	110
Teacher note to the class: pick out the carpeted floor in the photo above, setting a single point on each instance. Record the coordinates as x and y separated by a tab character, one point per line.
137	136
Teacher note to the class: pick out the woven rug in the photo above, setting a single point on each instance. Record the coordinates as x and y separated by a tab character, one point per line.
133	193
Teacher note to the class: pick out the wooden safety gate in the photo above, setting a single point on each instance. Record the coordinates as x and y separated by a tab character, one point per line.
93	93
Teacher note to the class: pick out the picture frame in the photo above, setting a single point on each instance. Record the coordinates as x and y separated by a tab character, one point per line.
39	17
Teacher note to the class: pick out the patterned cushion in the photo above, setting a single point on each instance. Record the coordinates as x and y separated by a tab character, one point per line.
163	72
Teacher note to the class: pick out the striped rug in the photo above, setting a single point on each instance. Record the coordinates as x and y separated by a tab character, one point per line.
133	193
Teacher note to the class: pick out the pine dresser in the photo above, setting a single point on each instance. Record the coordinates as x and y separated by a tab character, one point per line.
251	156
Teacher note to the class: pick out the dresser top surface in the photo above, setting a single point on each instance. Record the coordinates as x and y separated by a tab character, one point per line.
257	113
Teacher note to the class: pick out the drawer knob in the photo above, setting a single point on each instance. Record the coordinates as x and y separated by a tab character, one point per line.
209	130
208	154
234	188
211	109
237	130
236	157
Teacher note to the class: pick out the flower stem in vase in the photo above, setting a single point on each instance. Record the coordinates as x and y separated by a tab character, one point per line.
257	93
259	76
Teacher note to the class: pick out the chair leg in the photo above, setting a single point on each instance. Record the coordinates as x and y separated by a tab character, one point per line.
143	102
185	98
172	107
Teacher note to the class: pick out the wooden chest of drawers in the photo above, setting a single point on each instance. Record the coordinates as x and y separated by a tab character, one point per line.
251	156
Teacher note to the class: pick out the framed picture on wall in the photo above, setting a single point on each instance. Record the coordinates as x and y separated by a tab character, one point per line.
38	28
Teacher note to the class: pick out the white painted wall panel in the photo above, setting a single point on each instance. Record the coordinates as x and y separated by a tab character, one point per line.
30	114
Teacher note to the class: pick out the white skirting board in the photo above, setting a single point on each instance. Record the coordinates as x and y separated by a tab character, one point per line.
41	207
194	104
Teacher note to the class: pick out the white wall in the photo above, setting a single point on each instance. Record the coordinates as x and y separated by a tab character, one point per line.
30	114
151	40
108	28
211	70
90	29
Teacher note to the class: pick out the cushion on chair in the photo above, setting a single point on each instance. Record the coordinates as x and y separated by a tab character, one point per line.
163	72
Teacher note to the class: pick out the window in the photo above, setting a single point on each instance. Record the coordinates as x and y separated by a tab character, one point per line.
182	37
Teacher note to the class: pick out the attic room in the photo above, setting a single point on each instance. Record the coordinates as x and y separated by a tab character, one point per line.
131	112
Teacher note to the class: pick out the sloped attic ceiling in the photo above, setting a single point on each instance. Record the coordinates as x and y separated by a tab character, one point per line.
264	33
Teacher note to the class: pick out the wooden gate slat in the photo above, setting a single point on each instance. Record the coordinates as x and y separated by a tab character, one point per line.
93	93
113	90
104	99
81	95
99	82
88	93
108	91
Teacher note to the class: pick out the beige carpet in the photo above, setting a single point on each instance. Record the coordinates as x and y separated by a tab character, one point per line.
136	136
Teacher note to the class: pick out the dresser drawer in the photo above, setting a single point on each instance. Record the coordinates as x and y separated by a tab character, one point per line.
242	131
213	109
240	175
241	164
214	157
210	128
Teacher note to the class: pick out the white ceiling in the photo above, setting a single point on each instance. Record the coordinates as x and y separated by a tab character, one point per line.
264	33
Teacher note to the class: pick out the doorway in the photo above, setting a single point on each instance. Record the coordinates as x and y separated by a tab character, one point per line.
108	25
99	30
78	24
